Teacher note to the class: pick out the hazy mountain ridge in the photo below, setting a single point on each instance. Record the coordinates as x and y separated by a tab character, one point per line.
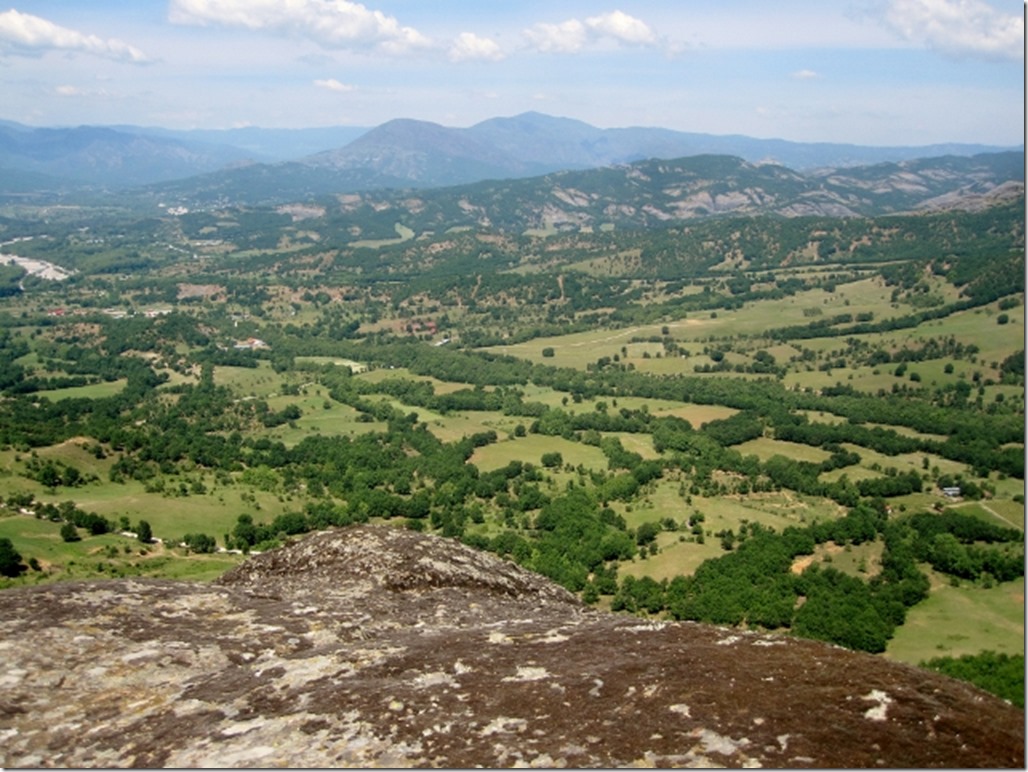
429	155
651	193
399	153
107	157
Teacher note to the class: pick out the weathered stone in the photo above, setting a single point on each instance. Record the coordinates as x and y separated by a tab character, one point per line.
374	646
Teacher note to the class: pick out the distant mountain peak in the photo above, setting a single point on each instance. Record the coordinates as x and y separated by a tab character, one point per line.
404	152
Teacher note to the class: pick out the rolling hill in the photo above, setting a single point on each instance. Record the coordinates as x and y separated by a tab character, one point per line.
644	194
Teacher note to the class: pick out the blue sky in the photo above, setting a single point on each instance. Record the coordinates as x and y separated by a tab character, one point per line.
882	72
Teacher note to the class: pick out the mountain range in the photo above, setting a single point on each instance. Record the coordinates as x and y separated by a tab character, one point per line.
401	153
652	193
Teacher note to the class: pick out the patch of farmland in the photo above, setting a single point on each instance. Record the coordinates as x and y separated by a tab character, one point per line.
530	449
698	415
962	619
765	447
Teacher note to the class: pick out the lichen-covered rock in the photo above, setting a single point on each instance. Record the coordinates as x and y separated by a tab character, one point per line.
380	647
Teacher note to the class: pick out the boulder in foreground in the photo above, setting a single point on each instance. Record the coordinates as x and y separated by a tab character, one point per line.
373	646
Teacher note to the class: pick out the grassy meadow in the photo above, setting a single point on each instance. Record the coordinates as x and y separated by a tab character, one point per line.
962	618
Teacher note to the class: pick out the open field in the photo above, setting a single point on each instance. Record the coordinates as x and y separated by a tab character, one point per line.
355	367
403	234
106	556
862	560
531	448
402	373
1008	513
765	447
174	516
962	620
260	381
680	554
92	391
321	415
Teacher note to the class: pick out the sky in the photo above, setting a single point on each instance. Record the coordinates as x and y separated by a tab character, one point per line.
871	72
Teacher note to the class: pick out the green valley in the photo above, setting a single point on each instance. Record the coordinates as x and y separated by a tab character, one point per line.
807	424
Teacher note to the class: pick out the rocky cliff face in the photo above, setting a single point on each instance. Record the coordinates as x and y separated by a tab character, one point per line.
380	647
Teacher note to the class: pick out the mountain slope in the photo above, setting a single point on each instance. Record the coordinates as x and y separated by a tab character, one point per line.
639	195
105	157
421	153
380	647
263	145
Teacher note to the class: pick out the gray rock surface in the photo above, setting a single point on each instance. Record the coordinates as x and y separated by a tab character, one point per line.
373	646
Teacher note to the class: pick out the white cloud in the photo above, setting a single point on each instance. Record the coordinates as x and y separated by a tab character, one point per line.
329	23
573	35
958	27
331	84
805	75
469	46
565	38
29	35
623	28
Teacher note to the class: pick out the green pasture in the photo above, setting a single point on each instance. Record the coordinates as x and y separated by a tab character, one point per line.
171	516
765	448
872	380
530	449
450	427
904	462
563	400
402	373
320	415
107	556
636	443
980	326
906	431
964	619
73	452
91	391
821	417
851	473
355	367
176	378
698	415
776	510
692	332
403	234
868	295
30	359
672	364
454	427
680	554
580	348
260	381
862	561
995	511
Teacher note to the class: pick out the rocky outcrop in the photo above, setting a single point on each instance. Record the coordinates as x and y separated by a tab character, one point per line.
372	646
